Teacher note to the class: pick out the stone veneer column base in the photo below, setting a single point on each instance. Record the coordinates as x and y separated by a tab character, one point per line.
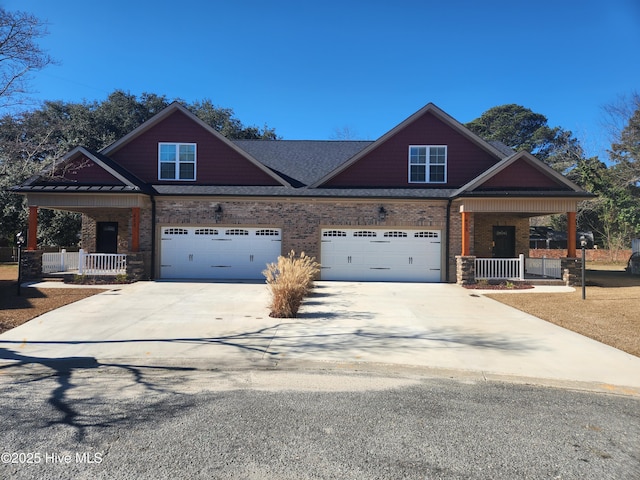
31	264
465	270
571	271
138	266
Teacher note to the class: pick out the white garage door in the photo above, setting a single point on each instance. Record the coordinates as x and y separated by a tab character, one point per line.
381	255
217	253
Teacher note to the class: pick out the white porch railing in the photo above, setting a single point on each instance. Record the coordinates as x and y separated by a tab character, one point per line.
85	263
102	263
544	267
500	268
59	261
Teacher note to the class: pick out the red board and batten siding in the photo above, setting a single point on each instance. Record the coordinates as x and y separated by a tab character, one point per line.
216	163
522	175
84	171
388	164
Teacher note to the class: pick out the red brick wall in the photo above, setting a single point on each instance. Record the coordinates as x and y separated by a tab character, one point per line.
592	255
483	238
121	215
301	220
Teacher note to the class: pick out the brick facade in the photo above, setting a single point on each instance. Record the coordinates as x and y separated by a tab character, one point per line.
591	254
90	218
483	223
301	220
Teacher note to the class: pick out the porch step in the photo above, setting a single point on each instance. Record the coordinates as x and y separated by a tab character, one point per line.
57	277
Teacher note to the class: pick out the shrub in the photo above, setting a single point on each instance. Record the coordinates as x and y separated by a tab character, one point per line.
289	280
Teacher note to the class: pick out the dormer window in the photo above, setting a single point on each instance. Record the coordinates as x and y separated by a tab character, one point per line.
176	161
427	164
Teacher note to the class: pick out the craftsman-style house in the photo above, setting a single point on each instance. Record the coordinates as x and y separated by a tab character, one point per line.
193	204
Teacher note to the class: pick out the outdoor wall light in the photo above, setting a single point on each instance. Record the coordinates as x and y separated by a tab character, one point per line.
382	213
218	213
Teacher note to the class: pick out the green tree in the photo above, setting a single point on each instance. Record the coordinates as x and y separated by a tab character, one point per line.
522	129
223	121
30	141
614	216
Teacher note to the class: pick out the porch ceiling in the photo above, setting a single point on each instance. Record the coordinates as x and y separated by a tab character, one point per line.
77	202
526	207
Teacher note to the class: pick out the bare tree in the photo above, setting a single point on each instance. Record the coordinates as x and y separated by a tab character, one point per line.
622	122
19	54
344	133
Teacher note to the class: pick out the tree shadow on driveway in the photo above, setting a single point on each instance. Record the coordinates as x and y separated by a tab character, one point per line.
285	339
63	371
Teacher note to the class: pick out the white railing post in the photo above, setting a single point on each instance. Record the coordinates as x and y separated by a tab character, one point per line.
63	260
521	257
81	261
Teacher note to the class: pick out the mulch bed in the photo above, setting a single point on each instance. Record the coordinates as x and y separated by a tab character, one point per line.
498	286
97	280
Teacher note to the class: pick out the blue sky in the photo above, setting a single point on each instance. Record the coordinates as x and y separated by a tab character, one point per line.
308	69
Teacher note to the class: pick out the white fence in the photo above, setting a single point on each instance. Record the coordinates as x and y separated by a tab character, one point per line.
85	263
59	261
635	245
544	267
102	263
500	268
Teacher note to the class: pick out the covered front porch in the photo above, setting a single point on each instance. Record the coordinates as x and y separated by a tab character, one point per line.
495	240
115	236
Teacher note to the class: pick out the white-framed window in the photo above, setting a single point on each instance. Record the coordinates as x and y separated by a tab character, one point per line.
427	164
176	161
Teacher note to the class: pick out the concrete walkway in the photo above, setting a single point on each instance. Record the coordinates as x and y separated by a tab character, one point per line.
440	327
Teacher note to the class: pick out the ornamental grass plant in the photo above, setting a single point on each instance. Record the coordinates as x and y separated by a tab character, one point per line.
289	280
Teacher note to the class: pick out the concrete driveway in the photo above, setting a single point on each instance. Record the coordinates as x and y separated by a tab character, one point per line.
438	327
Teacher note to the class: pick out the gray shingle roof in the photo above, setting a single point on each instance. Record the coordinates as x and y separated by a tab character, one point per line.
304	161
501	147
276	191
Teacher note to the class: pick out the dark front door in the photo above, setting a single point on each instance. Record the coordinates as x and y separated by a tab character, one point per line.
107	237
504	242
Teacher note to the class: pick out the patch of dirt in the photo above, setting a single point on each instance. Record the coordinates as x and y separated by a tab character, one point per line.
32	302
609	314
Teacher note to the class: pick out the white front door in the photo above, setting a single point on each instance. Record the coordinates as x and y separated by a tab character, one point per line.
217	253
381	255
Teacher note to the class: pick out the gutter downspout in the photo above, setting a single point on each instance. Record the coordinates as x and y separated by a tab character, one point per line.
447	247
153	238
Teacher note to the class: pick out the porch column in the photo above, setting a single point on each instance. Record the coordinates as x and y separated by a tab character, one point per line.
32	232
466	234
135	229
571	234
